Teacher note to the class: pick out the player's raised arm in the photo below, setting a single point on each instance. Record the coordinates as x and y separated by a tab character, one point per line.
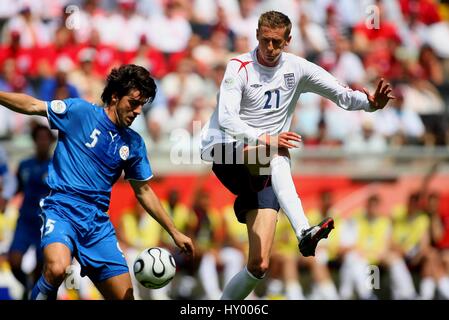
150	202
23	103
321	82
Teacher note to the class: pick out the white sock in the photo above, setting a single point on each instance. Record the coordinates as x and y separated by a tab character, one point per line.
401	280
240	286
443	287
208	275
284	188
427	288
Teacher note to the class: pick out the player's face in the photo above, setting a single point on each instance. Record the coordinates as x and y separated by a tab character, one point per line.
129	107
271	43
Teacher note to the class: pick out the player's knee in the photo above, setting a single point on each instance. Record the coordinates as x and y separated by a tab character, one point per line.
55	272
258	267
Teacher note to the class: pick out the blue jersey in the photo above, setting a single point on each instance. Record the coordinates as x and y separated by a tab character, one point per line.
32	175
91	153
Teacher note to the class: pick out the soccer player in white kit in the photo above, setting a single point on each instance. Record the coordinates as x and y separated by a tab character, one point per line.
248	137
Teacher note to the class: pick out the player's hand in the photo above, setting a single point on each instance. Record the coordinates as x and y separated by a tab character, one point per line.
184	243
381	97
282	140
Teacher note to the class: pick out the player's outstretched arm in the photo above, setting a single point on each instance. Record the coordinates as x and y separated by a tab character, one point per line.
381	96
150	202
23	103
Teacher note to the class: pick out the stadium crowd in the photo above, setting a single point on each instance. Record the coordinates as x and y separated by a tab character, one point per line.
57	49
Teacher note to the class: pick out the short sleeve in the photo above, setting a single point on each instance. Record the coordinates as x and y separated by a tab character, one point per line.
62	113
138	167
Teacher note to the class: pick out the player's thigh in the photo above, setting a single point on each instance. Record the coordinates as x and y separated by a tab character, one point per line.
116	288
261	225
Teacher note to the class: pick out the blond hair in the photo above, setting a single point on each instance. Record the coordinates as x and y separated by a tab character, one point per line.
275	19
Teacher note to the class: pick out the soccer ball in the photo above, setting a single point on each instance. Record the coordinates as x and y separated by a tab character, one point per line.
154	267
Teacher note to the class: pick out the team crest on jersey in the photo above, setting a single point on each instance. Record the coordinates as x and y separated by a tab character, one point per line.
58	106
124	152
289	79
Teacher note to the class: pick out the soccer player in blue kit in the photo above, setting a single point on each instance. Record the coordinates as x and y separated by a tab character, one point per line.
94	146
31	176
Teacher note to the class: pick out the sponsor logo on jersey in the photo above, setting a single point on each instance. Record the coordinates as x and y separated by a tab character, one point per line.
289	79
58	106
256	85
124	152
228	83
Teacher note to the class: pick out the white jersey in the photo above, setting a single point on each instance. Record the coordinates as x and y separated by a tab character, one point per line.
255	99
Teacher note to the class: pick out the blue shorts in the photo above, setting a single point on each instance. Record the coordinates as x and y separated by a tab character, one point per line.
26	235
94	243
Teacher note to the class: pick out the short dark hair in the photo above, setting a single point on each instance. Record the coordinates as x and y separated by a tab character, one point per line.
39	127
122	80
275	19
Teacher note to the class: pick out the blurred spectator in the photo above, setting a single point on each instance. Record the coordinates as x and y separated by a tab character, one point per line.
206	231
88	17
136	232
170	32
411	239
106	57
222	24
312	37
8	183
345	65
423	98
213	51
25	59
63	48
212	84
130	27
322	137
431	66
150	58
162	121
11	80
426	10
31	176
33	32
399	124
377	42
184	84
366	141
246	22
58	87
84	78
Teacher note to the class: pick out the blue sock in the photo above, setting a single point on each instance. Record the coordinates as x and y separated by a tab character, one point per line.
43	290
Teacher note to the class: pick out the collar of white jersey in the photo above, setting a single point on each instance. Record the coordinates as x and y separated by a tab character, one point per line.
279	64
